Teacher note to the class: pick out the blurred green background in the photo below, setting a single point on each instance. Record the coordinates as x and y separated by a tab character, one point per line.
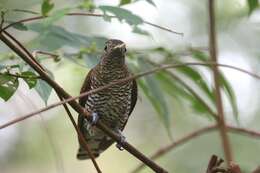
48	142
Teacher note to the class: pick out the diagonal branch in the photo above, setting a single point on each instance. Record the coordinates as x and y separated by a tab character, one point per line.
194	134
77	107
81	137
216	76
162	67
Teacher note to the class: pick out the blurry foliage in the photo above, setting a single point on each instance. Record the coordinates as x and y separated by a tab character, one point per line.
166	83
252	5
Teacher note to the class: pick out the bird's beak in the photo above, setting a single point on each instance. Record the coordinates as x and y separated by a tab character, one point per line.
121	46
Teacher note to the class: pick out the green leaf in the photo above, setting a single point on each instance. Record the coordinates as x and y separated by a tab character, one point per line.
252	5
57	15
199	80
122	14
20	26
30	79
153	92
8	86
170	85
176	88
149	1
225	85
138	30
44	90
88	5
199	55
124	2
55	37
46	7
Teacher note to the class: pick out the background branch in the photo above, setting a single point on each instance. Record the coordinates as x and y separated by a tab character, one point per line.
213	54
41	68
86	14
194	134
162	67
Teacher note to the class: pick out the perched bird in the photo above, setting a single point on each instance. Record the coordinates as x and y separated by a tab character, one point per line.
111	106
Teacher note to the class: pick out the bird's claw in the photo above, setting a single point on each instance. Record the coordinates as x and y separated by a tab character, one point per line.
122	140
94	118
93	121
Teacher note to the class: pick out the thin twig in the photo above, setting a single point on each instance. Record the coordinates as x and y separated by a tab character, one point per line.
56	150
52	55
177	143
194	134
81	137
20	76
162	67
219	103
2	19
86	14
78	107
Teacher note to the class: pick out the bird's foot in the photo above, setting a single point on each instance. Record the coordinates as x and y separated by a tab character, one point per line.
94	118
89	124
122	140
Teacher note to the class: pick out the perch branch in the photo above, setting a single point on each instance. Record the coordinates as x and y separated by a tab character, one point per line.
77	107
41	68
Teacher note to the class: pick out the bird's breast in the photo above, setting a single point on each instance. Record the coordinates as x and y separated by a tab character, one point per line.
112	104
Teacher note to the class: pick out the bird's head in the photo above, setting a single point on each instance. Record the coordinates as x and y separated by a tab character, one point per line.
115	47
114	52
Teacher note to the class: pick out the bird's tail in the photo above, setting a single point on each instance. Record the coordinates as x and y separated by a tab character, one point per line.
83	154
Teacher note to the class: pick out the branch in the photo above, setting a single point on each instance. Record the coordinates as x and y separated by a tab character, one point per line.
55	57
162	67
257	170
213	54
81	137
77	107
194	134
86	14
215	163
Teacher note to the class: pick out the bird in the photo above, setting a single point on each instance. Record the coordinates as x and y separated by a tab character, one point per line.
111	106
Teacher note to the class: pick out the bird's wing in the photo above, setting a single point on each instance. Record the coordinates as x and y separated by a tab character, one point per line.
82	100
134	93
133	96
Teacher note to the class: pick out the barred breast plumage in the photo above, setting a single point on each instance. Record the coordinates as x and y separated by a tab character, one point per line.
113	105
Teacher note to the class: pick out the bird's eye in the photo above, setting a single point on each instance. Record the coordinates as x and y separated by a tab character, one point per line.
105	48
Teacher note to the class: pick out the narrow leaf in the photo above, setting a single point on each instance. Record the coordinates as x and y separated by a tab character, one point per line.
20	26
227	88
46	7
122	14
153	92
57	15
252	5
44	90
30	78
124	2
138	30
